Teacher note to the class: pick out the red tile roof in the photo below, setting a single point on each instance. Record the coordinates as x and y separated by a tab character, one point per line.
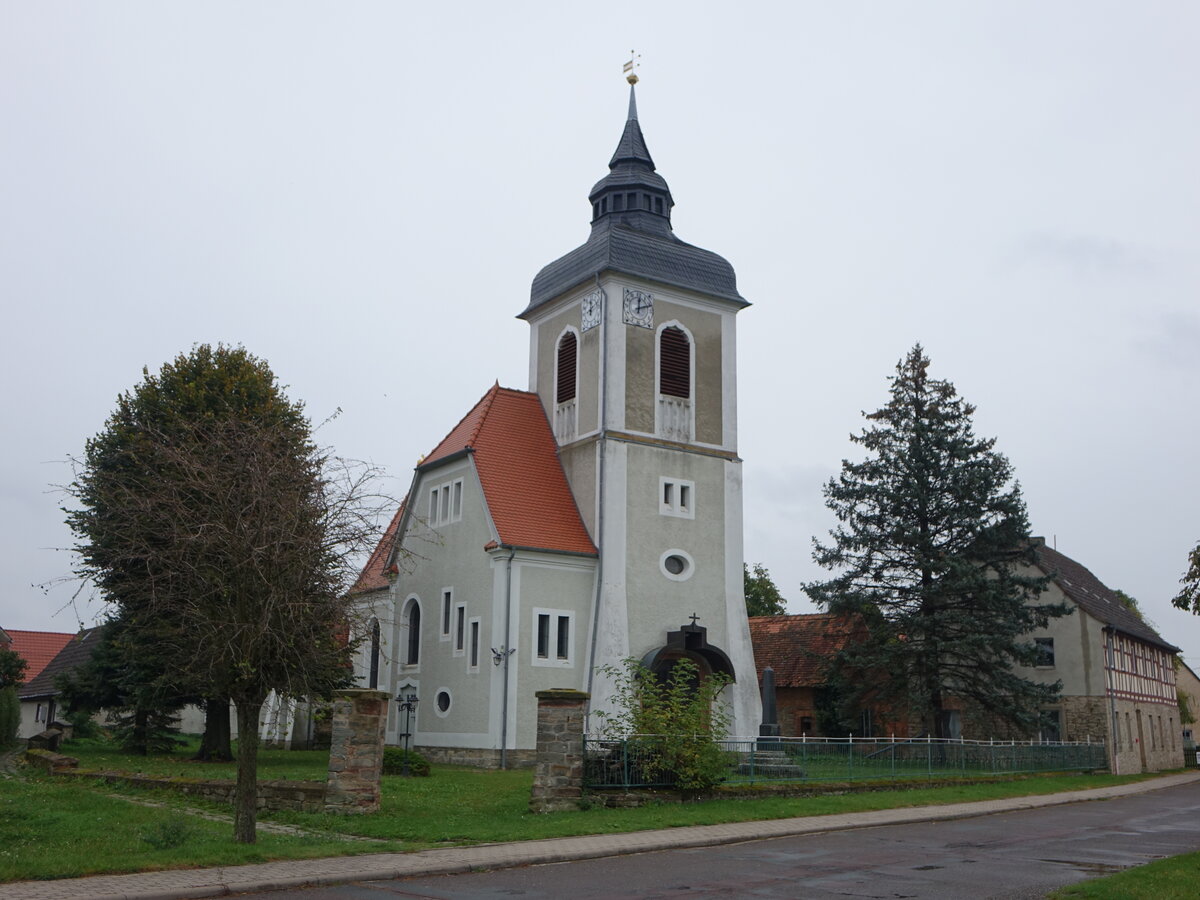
37	648
798	648
374	573
524	485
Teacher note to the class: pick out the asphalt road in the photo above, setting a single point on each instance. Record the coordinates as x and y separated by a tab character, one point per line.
1009	855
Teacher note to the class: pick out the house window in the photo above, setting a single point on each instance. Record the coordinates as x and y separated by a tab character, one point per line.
445	502
553	638
674	363
412	622
473	645
676	498
1050	725
447	612
1045	652
373	676
39	714
460	629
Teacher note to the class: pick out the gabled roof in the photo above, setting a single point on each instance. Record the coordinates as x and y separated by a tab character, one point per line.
1093	597
799	648
75	652
374	573
523	481
37	648
526	491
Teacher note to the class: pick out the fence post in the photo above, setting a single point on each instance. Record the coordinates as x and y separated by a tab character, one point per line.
928	755
558	772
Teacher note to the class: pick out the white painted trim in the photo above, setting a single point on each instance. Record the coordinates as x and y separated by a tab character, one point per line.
460	617
688	571
475	622
729	381
440	713
681	490
675	323
446	614
551	659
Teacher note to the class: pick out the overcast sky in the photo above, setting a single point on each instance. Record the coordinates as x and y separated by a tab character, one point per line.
361	194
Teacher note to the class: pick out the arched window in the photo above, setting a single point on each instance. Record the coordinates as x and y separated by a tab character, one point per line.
412	621
674	363
373	677
568	346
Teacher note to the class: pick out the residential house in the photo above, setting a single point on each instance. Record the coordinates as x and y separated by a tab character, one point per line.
37	648
39	695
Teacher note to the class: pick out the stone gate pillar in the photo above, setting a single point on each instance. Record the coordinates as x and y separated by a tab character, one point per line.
558	770
356	751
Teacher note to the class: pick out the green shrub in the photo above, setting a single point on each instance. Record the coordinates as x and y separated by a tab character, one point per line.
10	715
393	762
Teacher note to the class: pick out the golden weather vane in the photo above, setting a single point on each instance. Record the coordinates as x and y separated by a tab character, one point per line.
630	68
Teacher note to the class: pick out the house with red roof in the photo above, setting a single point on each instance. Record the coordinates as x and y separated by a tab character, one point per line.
37	648
596	516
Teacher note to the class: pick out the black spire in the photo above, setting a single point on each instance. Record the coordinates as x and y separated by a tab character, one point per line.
632	234
632	192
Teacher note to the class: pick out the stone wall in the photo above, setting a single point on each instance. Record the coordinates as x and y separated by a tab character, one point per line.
299	796
356	751
478	757
558	773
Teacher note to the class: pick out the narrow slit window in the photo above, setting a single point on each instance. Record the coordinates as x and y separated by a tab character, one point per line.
373	676
675	363
618	202
685	497
433	506
563	644
447	603
413	656
658	205
458	500
567	353
669	493
460	628
543	636
474	657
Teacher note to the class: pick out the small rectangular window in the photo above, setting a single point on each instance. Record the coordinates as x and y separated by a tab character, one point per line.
446	502
618	202
433	507
685	497
447	606
460	629
457	509
675	498
543	636
1045	652
669	493
563	644
473	658
658	205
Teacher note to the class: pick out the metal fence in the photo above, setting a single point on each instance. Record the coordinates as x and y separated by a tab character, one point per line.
631	762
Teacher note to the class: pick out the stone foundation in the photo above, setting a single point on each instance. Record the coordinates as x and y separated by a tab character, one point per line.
558	773
356	751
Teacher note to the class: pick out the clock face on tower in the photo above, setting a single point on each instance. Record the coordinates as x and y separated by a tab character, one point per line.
593	308
638	308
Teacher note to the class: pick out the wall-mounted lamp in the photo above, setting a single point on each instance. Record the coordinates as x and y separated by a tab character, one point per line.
499	655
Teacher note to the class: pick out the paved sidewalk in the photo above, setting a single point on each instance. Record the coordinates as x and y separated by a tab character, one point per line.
334	870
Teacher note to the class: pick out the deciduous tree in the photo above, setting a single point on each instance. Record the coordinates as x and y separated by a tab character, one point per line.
762	596
1188	597
208	516
929	552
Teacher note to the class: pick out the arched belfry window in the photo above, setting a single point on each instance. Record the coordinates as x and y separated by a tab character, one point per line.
675	363
373	675
566	381
568	350
674	384
412	624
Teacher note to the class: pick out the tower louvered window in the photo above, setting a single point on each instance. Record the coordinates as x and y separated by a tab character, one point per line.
675	363
567	351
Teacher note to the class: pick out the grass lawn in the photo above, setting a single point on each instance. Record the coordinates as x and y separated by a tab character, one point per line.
54	828
1164	879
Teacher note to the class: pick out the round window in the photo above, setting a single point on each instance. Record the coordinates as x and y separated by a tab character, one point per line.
442	701
677	565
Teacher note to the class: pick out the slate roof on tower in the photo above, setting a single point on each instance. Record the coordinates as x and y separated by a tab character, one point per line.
524	486
635	240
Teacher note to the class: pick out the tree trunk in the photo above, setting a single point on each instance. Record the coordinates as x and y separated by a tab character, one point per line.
245	801
215	745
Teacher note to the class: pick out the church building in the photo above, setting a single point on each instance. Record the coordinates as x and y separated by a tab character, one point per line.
596	516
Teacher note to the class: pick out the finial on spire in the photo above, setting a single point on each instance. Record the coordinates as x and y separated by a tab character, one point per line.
630	68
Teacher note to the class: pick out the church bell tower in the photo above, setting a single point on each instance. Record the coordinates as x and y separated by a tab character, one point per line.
633	352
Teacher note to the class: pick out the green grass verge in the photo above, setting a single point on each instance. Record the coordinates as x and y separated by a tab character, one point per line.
1164	879
103	756
55	828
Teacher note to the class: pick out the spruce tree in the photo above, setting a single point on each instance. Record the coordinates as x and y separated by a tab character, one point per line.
928	555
